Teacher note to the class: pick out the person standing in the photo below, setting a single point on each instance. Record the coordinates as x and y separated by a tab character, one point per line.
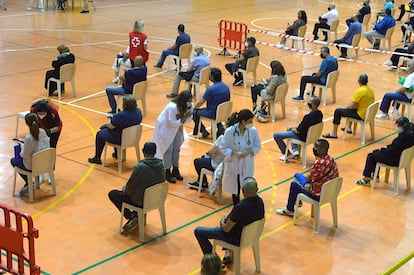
169	133
48	119
240	144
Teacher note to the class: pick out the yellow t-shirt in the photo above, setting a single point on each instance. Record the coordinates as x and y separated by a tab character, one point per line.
363	97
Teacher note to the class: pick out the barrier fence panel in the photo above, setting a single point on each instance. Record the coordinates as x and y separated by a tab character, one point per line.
232	36
17	241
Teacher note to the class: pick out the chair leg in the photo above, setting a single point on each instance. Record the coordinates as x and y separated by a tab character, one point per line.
141	224
316	209
120	156
363	132
295	210
256	252
333	94
334	206
14	183
283	104
374	180
304	156
59	90
387	175
236	255
30	187
396	172
408	177
163	221
245	79
122	218
144	106
72	82
104	156
52	179
272	110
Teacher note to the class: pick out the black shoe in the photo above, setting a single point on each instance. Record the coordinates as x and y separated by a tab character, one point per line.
169	177
315	37
193	185
84	11
238	82
205	134
176	173
94	160
171	95
131	224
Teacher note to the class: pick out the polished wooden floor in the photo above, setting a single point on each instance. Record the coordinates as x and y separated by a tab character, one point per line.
79	227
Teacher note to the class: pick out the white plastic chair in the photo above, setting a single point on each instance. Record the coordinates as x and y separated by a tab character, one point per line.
280	96
43	162
355	43
405	163
204	79
369	120
403	62
154	198
204	172
409	106
365	21
329	194
184	52
331	80
301	33
67	73
334	29
130	138
140	91
251	67
387	37
222	113
249	238
314	132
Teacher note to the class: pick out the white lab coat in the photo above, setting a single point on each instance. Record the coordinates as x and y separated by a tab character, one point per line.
233	141
166	128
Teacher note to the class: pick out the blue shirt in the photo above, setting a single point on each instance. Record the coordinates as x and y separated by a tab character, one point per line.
133	76
121	120
215	95
386	23
181	39
309	120
364	10
199	63
354	28
329	64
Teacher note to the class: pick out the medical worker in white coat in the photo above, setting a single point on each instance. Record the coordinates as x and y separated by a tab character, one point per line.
169	133
240	144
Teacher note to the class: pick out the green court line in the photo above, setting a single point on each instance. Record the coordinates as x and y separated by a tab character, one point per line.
25	264
213	212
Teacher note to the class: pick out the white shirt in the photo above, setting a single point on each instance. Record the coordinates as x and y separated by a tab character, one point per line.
408	83
331	16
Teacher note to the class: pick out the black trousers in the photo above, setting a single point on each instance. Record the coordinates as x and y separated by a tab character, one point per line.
344	112
117	197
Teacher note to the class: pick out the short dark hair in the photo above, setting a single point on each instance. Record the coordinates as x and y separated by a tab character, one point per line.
323	144
215	74
180	28
325	49
388	11
363	79
129	103
251	39
245	115
316	101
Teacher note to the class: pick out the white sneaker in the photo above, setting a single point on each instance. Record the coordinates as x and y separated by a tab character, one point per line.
283	158
388	63
395	112
115	80
296	154
285	212
382	116
279	45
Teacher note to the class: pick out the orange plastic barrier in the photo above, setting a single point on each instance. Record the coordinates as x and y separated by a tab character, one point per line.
232	35
16	236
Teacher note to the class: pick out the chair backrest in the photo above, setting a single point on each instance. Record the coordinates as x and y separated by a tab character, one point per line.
366	19
140	90
154	196
204	76
314	132
67	72
223	111
252	64
281	92
251	232
131	136
392	12
371	111
332	79
406	157
330	190
334	25
185	50
302	31
43	161
389	33
356	39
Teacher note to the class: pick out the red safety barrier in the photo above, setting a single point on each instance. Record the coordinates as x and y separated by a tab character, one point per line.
16	235
232	36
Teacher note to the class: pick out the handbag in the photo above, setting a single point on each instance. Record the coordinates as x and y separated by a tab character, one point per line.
187	75
17	150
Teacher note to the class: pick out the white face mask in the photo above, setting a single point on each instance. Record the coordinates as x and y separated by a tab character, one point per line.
42	116
400	129
246	44
249	125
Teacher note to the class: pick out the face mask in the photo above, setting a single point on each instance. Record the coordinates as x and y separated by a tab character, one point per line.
321	55
315	152
196	54
310	105
42	116
329	9
250	125
189	105
246	44
400	129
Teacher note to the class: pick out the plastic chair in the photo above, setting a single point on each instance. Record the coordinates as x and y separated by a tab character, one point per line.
140	91
251	67
249	238
409	107
405	163
314	132
331	80
369	119
67	73
329	194
183	53
130	138
403	60
43	162
204	79
301	34
334	29
355	43
154	198
222	113
387	37
365	21
280	96
204	172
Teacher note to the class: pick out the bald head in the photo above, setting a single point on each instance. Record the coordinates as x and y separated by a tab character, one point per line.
138	61
198	49
249	187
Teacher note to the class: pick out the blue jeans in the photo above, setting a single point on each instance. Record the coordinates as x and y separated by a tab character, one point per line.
203	234
110	93
19	163
197	113
164	55
280	136
388	97
295	190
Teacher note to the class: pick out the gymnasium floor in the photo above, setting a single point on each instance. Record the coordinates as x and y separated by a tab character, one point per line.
79	227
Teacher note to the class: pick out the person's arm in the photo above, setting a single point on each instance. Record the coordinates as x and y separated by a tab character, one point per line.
226	224
200	103
352	106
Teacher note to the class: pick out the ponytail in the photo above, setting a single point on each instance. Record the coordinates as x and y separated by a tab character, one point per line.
31	121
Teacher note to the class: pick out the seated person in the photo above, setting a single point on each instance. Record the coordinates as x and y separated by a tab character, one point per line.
112	131
268	90
391	154
407	26
366	9
315	116
395	58
388	4
212	159
402	94
405	7
380	29
200	62
362	98
137	74
325	21
248	210
354	29
210	264
148	172
293	29
64	57
323	170
121	62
